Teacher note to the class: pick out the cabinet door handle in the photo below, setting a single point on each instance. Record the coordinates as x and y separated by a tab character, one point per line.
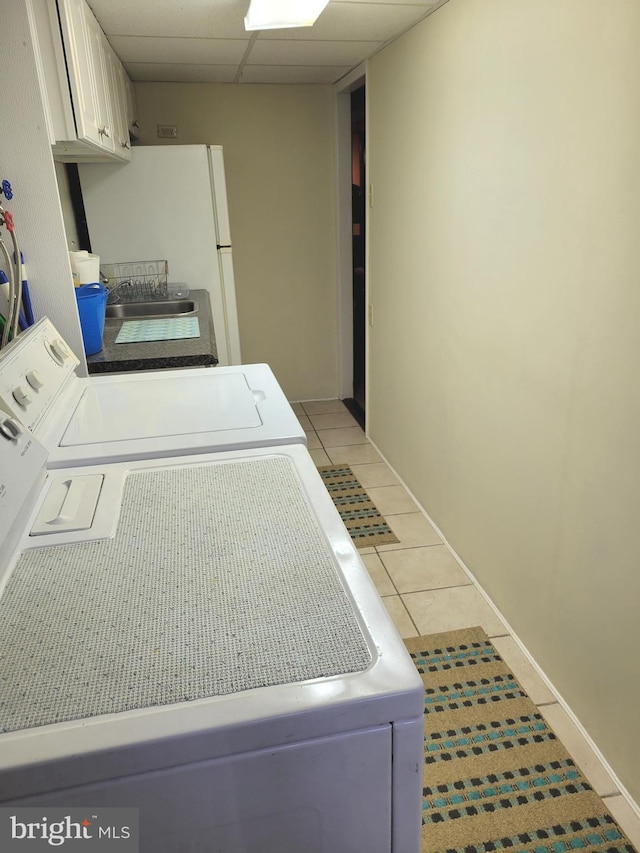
125	145
104	131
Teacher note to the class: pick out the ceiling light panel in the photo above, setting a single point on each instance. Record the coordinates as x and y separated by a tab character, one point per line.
282	14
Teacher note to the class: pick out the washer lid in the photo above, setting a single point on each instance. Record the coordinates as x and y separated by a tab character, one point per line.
163	406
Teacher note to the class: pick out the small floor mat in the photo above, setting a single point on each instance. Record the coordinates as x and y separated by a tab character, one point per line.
495	776
162	329
360	515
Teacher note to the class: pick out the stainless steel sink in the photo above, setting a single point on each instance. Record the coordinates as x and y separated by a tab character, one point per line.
164	308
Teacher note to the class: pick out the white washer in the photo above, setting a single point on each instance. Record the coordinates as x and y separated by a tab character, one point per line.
224	666
83	421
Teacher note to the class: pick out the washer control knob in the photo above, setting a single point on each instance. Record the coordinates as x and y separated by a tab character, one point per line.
21	396
9	429
34	379
58	350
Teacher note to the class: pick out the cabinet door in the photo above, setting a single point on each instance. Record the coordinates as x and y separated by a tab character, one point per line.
98	42
80	67
132	113
123	79
118	99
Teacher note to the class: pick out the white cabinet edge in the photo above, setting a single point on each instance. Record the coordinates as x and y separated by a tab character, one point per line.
55	86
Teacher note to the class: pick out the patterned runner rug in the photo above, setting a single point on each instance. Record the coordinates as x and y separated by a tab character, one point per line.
361	517
495	777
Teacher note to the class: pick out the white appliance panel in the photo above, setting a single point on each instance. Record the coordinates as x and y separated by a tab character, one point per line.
327	764
160	205
327	795
33	371
229	305
22	473
219	192
139	415
122	411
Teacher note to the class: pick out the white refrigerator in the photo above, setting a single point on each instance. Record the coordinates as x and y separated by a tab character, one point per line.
169	203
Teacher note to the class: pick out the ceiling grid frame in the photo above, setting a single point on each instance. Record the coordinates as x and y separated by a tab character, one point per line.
204	41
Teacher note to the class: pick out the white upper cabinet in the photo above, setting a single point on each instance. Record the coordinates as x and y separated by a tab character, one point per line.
132	114
79	51
87	88
116	83
102	90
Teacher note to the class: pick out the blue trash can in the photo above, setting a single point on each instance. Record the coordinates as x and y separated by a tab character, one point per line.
92	304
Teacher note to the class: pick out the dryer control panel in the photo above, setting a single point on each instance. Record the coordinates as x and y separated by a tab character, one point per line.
22	470
34	369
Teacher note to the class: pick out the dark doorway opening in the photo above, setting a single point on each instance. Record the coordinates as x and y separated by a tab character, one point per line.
358	221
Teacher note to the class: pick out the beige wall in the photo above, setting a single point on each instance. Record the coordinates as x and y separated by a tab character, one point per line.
279	157
504	152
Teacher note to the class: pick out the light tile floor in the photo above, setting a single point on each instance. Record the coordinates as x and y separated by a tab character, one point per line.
425	590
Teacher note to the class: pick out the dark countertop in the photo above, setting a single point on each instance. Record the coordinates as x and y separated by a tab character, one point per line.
158	355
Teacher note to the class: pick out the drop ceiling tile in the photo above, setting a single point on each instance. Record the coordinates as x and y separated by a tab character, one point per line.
184	50
196	18
342	21
293	73
176	73
279	52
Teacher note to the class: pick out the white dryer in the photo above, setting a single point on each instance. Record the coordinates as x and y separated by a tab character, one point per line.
82	421
221	662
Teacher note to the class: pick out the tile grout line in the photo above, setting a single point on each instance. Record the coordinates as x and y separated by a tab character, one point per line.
388	550
393	583
410	616
437	589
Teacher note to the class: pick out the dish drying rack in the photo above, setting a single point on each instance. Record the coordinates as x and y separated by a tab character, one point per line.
136	281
